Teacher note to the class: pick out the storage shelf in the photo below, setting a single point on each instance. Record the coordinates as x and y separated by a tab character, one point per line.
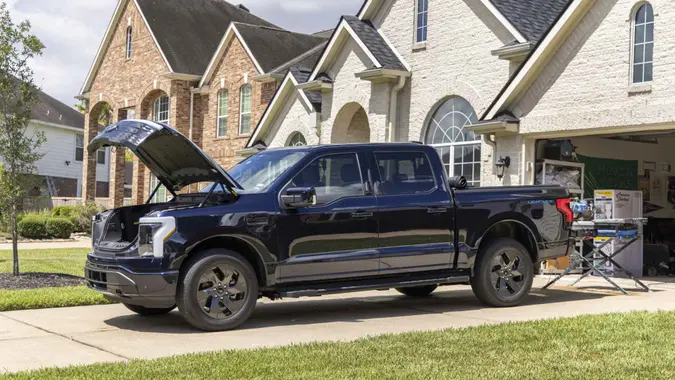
565	164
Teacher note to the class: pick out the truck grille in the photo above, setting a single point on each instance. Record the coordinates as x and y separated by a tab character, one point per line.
97	279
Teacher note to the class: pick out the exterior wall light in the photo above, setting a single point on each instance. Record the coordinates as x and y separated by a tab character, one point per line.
502	164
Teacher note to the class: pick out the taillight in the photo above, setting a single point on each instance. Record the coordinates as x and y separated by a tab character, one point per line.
563	206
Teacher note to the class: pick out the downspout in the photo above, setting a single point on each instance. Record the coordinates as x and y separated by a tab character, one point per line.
487	139
390	133
192	110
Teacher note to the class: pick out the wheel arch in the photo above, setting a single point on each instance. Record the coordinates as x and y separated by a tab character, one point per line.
514	229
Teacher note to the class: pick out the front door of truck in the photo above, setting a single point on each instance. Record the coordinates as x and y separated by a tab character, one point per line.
415	213
337	237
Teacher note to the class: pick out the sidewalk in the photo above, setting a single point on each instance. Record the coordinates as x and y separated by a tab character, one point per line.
35	339
48	245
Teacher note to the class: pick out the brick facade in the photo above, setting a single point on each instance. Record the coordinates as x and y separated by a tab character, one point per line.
134	84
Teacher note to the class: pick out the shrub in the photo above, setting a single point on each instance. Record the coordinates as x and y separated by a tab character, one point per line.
33	227
63	211
82	216
60	228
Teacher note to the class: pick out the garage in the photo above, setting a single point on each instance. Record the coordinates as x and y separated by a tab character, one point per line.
638	166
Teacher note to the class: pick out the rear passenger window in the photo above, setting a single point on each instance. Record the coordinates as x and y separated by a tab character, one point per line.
405	173
333	177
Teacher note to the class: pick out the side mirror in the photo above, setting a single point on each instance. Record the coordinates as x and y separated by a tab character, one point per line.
298	197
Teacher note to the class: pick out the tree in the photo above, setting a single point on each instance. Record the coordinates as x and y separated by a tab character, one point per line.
18	95
104	117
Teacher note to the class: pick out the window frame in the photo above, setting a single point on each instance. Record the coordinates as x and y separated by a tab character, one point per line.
381	192
241	108
128	49
293	136
219	117
156	110
311	160
79	147
634	44
417	27
98	155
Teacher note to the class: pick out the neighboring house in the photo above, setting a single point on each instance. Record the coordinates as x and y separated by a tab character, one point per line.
61	164
190	64
489	79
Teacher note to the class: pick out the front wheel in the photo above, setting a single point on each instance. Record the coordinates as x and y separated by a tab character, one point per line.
149	311
218	290
503	273
417	291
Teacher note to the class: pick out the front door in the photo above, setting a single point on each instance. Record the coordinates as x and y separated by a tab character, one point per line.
336	238
415	214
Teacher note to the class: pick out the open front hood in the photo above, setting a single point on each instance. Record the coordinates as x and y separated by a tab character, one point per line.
174	159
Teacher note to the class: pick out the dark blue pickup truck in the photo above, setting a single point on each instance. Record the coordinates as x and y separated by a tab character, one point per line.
307	221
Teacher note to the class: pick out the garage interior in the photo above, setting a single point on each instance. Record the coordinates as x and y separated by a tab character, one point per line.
641	162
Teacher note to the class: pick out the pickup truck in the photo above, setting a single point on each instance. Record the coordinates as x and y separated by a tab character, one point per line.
309	221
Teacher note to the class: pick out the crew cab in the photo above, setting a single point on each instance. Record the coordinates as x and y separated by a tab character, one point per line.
309	221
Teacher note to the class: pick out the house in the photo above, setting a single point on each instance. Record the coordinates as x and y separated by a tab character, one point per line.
191	64
63	151
491	84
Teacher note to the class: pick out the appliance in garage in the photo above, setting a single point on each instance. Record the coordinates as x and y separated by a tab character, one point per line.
621	204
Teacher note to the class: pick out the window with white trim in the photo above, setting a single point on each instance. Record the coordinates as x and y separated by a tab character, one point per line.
129	39
297	139
459	148
222	113
100	156
245	109
643	44
161	194
161	110
79	147
421	20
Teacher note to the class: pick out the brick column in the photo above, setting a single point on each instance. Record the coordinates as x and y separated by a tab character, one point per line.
117	162
138	183
89	160
179	116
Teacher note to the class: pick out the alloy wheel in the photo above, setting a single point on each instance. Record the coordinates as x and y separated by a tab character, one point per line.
221	291
506	277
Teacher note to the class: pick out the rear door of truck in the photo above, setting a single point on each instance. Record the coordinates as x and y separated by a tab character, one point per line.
414	210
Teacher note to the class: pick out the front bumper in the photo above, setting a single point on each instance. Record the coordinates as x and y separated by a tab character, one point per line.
119	283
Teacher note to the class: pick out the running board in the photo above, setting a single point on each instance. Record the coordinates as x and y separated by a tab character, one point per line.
314	290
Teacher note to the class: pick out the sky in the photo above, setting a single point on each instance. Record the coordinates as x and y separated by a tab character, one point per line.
73	29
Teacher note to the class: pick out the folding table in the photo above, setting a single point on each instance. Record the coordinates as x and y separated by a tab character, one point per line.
614	230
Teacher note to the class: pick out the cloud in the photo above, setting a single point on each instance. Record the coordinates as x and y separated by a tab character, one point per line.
73	29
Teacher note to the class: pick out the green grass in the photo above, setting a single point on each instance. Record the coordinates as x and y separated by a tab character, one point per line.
68	261
27	299
628	346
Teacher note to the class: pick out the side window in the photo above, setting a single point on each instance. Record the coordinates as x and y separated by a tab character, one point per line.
333	177
405	173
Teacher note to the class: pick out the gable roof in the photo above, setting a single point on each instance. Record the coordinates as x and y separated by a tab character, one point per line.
53	111
532	18
273	47
188	32
168	21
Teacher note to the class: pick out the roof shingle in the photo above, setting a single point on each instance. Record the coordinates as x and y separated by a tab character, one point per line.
375	43
53	111
532	18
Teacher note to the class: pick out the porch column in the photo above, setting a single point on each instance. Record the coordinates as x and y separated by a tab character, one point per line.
117	162
89	160
138	183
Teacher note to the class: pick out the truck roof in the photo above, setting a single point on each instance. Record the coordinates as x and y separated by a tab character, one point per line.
308	148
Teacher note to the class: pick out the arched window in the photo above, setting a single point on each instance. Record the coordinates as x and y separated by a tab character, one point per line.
129	40
643	44
297	139
245	110
458	147
222	113
161	110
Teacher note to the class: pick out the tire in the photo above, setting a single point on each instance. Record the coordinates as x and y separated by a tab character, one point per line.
497	284
207	301
417	291
147	311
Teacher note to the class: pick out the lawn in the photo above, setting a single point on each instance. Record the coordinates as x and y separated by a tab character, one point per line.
68	261
622	346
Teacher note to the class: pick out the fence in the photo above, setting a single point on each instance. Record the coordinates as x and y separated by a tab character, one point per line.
48	203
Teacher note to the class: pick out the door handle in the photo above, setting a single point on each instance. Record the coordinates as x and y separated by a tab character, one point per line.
437	210
362	214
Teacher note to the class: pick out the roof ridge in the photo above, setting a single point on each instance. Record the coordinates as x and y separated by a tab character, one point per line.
280	30
301	56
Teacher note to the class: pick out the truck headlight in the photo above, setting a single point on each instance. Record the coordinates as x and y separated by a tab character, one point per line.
152	233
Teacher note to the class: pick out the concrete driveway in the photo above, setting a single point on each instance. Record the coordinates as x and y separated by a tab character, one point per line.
93	334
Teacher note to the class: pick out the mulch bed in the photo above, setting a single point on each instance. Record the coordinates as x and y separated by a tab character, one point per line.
38	280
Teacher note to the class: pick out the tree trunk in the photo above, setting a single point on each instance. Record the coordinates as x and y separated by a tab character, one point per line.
15	242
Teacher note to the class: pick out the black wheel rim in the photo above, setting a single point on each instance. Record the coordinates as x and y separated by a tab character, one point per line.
506	277
221	293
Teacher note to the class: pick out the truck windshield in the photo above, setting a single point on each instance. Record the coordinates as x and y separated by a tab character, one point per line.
258	172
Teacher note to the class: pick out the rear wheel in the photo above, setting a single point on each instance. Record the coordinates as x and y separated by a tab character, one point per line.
417	291
218	291
503	273
148	311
